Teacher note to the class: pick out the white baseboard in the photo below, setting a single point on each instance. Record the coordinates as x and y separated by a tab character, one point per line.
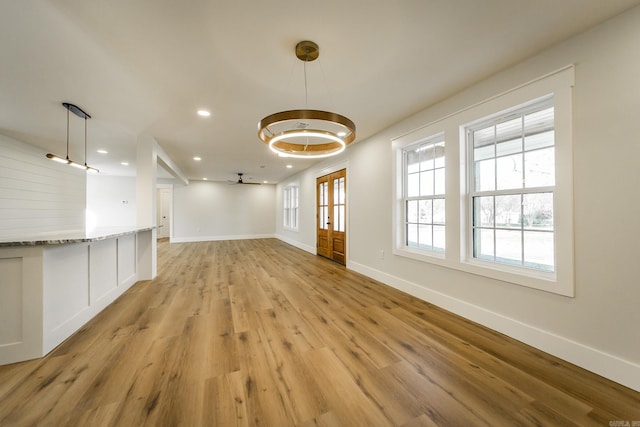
297	244
604	364
218	238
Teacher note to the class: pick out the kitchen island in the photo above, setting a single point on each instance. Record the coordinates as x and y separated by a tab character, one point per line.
51	284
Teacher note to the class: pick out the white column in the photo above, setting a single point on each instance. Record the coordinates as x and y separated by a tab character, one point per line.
146	177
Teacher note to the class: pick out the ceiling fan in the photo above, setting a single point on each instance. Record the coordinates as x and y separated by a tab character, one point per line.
240	181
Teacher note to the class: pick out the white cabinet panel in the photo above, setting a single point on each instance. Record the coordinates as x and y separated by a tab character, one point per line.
103	269
66	284
126	260
10	300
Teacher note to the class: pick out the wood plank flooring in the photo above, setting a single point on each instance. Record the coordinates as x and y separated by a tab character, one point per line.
258	333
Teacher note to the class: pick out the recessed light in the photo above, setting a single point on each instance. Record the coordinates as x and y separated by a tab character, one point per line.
124	164
203	113
204	179
103	152
289	166
197	159
265	182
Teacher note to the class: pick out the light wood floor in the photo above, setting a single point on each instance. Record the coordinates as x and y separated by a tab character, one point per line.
257	332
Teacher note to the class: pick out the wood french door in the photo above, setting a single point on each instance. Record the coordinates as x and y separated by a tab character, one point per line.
331	216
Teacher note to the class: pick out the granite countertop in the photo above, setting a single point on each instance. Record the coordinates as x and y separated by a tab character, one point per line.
70	236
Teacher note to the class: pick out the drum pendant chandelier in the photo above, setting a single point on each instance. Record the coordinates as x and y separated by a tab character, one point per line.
306	133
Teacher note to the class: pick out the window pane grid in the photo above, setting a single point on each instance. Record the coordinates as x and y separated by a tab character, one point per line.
424	189
290	210
512	188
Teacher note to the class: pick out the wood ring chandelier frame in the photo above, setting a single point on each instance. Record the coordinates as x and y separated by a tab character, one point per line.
294	141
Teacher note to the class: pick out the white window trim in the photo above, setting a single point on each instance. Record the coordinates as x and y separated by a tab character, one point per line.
559	83
399	247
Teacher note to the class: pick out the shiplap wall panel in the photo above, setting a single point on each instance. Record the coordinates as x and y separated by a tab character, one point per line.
36	194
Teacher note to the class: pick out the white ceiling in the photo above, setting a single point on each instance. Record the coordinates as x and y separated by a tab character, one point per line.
145	67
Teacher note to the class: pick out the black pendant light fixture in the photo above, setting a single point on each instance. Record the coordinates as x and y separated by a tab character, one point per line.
66	160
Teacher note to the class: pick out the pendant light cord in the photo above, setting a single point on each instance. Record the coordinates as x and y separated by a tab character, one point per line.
306	98
306	93
85	140
67	134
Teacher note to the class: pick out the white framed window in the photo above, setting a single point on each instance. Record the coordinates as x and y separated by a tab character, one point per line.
424	195
508	199
290	208
511	187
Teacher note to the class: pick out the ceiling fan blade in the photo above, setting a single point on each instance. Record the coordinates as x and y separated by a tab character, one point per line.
240	181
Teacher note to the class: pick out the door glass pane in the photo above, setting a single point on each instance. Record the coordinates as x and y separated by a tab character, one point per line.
338	191
323	217
324	194
336	218
342	224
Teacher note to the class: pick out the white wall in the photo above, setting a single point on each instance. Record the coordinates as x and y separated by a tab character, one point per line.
598	329
37	194
215	211
111	200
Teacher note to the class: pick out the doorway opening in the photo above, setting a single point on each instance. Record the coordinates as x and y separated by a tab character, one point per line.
163	213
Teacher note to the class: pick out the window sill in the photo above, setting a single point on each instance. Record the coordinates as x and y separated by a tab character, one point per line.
529	278
431	257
